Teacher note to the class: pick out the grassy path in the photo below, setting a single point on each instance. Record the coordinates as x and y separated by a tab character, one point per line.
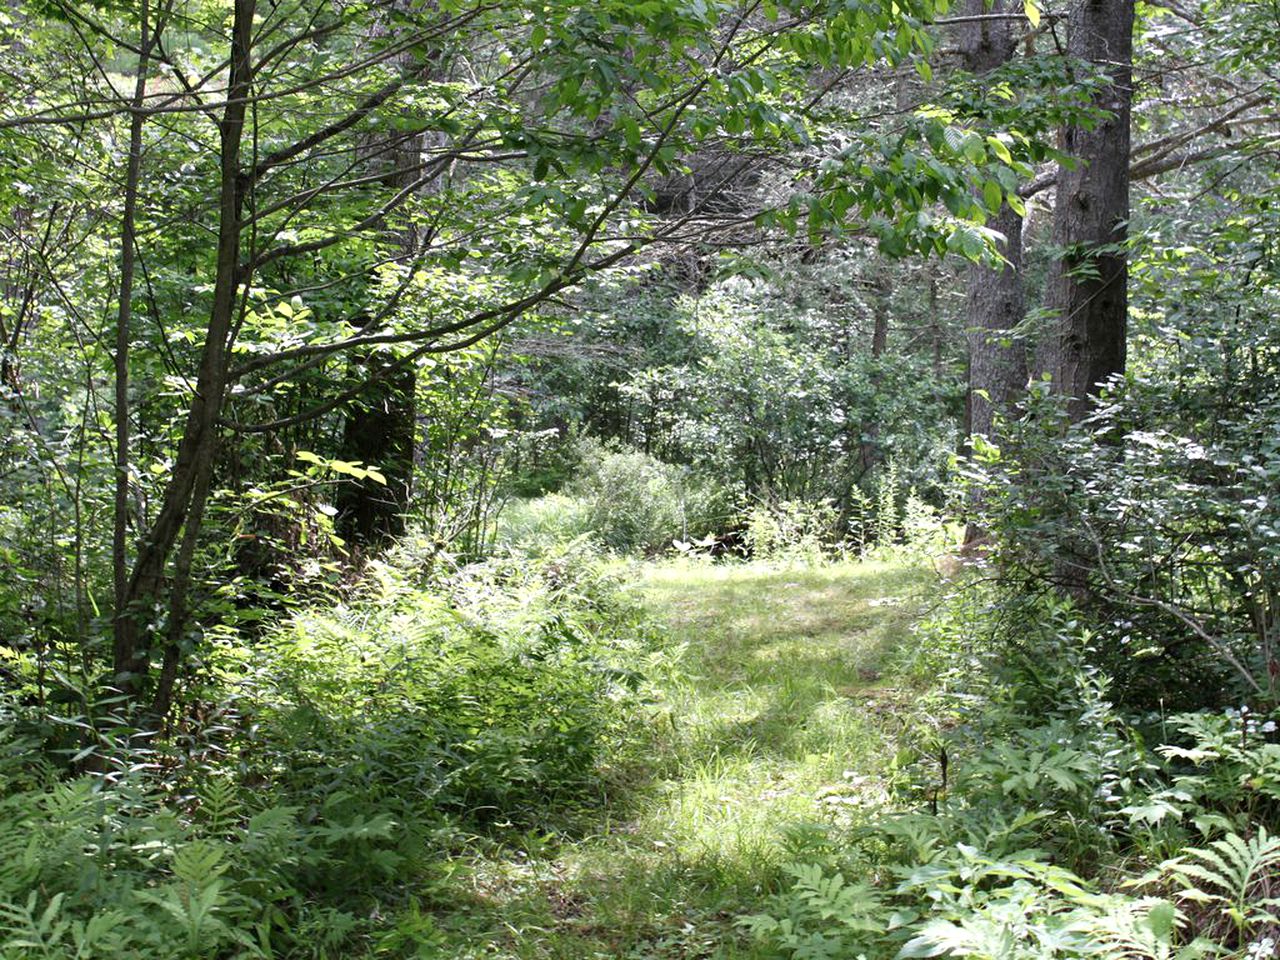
775	723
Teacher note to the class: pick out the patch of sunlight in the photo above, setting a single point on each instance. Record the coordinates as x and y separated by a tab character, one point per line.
733	812
770	723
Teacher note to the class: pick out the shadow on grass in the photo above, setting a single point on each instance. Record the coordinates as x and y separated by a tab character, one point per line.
769	710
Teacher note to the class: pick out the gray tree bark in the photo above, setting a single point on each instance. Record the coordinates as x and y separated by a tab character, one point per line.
996	300
1088	285
996	305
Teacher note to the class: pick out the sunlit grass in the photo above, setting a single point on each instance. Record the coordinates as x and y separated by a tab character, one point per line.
764	724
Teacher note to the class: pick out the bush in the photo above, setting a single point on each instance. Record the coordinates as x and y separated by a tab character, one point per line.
1029	819
544	526
791	530
624	501
430	710
1157	515
638	504
340	758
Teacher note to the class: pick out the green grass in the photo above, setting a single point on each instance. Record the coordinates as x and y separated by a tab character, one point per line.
773	721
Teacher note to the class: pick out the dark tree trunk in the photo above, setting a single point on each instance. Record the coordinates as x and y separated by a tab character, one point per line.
379	431
880	327
124	322
988	39
380	426
188	483
1088	286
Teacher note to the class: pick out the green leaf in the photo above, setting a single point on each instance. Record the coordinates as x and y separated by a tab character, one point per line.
1161	919
992	195
1000	149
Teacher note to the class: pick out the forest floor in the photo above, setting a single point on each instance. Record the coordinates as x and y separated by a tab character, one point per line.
773	724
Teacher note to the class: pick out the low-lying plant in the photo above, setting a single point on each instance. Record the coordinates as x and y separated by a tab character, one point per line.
355	747
1030	819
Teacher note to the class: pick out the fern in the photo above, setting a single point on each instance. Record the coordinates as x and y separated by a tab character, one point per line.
1148	928
29	931
19	847
828	917
220	806
1232	875
32	930
198	902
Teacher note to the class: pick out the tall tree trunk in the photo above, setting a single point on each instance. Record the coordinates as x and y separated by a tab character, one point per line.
1088	286
995	296
380	427
124	322
995	306
869	452
182	502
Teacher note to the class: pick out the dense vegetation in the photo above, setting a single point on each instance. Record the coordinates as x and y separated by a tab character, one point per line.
786	479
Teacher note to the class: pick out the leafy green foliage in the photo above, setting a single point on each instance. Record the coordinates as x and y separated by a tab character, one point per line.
622	500
792	530
356	746
1016	846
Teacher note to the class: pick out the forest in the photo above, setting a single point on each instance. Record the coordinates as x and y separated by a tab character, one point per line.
640	479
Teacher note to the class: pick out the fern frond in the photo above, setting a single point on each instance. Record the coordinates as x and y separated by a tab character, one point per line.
1232	872
220	804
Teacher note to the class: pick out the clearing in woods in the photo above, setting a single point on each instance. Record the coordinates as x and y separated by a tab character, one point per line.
774	717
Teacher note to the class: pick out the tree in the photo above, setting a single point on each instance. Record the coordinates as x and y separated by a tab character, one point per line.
269	232
995	292
380	425
1088	290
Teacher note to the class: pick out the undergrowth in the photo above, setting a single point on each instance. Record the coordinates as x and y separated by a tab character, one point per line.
341	759
1029	817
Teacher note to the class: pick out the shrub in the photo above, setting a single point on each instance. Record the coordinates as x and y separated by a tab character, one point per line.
544	525
1157	515
624	501
640	504
339	758
489	696
1029	820
792	530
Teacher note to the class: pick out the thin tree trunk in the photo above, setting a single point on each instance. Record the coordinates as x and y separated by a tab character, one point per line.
178	593
1088	286
194	459
124	322
869	444
935	325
